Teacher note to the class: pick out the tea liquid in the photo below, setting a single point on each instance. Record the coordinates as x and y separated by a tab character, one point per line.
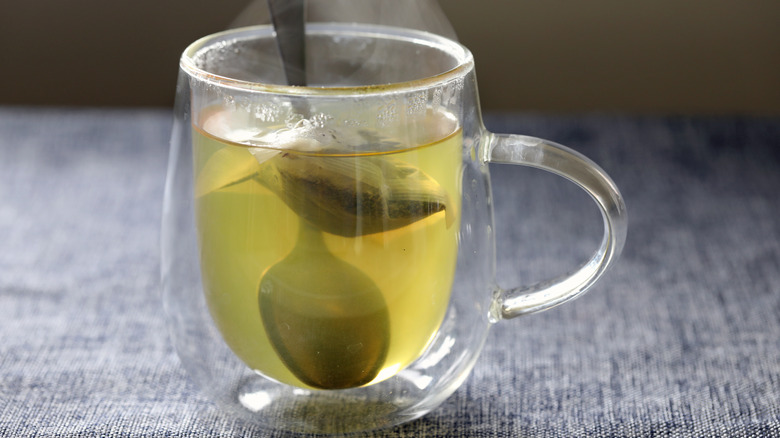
244	229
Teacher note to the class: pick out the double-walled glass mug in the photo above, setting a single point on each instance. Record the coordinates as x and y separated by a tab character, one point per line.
328	250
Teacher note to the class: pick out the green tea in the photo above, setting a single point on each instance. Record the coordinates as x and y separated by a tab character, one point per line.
275	219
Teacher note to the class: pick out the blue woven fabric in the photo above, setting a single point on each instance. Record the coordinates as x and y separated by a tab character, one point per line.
681	339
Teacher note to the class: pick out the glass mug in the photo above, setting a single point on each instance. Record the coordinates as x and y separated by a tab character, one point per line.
328	251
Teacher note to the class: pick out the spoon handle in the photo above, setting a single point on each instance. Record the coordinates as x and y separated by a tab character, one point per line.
287	17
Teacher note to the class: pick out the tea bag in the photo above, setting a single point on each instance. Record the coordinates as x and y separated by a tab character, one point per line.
318	174
348	195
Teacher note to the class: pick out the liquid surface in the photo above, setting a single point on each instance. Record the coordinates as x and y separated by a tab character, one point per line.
249	224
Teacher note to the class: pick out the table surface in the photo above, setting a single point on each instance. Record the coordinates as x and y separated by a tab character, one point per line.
681	338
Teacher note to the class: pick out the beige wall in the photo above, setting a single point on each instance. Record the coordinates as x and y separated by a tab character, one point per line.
676	56
639	55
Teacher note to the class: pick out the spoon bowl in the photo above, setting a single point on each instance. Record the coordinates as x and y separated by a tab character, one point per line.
327	320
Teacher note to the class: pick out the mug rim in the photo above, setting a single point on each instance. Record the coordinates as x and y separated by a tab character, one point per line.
459	53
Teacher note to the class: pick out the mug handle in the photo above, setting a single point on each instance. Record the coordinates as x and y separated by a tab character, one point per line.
560	160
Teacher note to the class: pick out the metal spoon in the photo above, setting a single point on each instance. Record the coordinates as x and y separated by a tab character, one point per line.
326	319
287	17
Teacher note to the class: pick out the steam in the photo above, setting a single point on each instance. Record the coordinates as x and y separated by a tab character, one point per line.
423	15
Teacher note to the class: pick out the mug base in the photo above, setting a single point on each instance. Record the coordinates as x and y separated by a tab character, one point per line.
331	412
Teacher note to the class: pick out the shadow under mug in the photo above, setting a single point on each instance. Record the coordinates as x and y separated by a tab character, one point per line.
328	252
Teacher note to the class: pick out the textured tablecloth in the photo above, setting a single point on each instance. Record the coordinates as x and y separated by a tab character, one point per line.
681	338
